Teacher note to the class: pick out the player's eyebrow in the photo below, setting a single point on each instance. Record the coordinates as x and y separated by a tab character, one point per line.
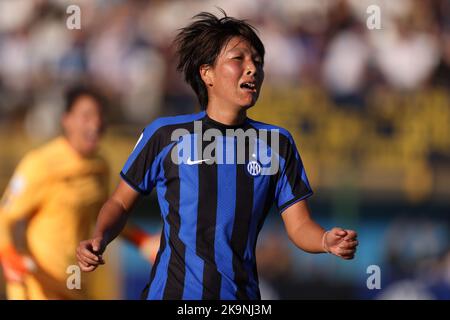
237	50
254	54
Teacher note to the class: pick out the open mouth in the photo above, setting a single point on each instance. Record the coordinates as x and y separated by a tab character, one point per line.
250	86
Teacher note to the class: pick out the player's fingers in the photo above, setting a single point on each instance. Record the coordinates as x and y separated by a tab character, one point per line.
84	245
100	259
338	232
87	260
344	252
351	235
81	260
88	254
349	244
86	268
81	263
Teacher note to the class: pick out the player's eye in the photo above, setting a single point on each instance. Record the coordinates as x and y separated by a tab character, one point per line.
238	58
258	61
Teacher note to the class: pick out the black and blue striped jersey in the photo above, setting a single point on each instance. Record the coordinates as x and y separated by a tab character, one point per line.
214	194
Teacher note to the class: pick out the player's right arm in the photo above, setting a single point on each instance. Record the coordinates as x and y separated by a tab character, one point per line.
139	176
110	222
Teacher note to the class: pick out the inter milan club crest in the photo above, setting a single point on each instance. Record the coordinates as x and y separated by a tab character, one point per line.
254	168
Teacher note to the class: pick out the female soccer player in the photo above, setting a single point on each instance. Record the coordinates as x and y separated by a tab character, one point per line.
217	174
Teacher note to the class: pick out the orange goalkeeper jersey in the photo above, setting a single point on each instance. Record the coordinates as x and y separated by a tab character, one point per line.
60	194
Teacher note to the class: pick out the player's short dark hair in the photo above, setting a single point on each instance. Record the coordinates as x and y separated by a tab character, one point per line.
76	91
201	42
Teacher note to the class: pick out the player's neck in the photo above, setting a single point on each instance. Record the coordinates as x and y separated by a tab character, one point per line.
227	117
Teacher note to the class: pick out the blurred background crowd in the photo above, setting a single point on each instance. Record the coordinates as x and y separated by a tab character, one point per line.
369	110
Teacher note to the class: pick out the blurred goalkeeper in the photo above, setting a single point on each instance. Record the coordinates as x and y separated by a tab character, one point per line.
57	191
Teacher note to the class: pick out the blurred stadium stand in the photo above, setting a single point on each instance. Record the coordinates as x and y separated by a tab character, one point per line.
369	111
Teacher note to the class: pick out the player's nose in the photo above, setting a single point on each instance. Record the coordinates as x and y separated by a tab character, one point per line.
250	69
96	124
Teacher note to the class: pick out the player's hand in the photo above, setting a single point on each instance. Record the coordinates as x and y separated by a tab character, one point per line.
341	242
15	265
89	254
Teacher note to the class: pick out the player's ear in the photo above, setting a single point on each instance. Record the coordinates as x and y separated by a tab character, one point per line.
207	74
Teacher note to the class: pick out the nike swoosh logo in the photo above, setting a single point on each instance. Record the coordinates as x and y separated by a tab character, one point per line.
191	162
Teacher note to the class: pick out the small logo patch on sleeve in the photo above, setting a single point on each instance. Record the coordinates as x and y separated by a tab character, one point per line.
17	185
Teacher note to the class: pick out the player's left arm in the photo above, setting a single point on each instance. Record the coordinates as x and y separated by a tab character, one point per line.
309	236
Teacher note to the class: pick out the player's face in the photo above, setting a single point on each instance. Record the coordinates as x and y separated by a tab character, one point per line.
84	125
236	77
